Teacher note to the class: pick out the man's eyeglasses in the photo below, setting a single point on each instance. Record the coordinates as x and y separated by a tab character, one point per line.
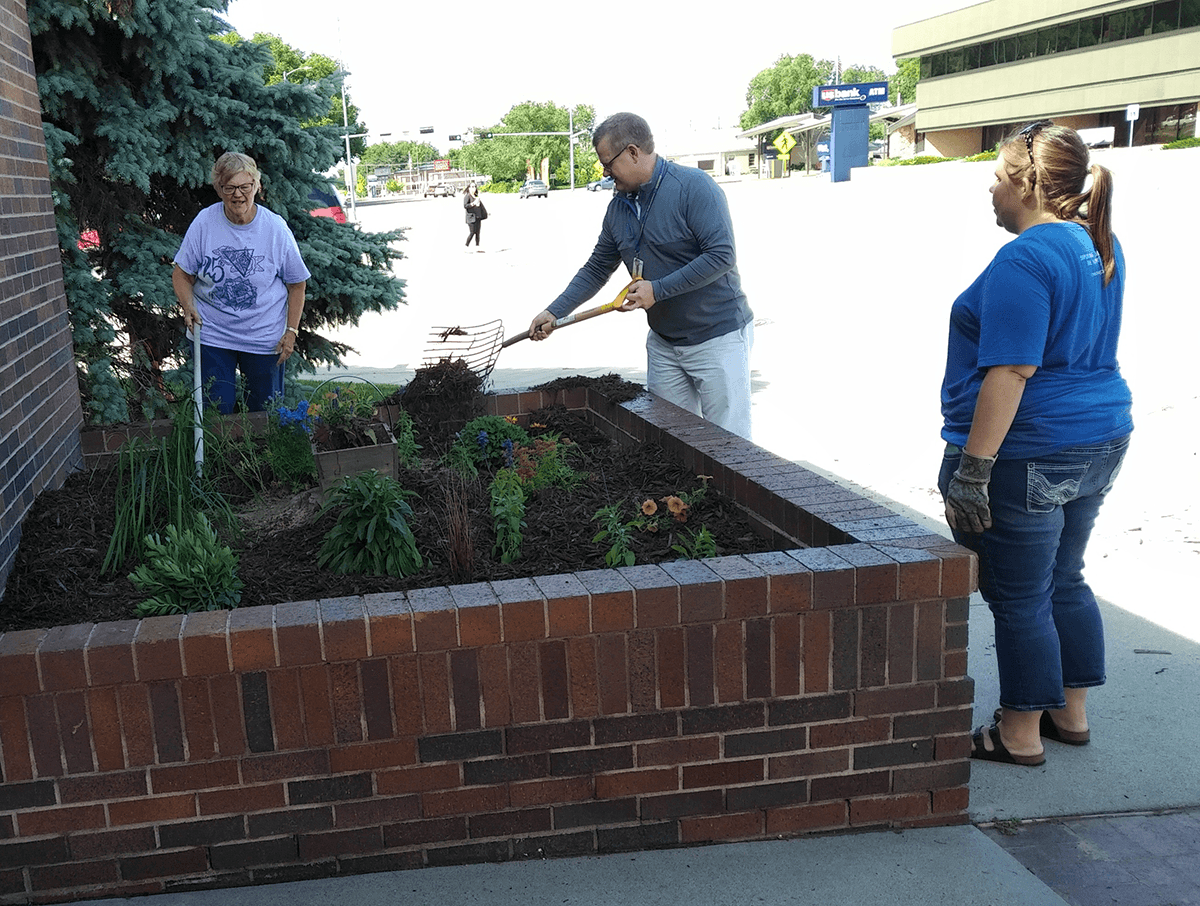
246	188
1028	134
607	167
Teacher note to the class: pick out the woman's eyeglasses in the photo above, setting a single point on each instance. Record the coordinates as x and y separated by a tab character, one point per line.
246	188
1028	134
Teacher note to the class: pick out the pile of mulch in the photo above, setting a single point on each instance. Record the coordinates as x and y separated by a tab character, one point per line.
56	579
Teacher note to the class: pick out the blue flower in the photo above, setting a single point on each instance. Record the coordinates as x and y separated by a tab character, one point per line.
297	416
482	440
508	452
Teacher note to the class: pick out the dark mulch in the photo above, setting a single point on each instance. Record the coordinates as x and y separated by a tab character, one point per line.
56	578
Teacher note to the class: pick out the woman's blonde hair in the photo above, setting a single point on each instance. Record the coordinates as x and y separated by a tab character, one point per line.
230	164
1055	159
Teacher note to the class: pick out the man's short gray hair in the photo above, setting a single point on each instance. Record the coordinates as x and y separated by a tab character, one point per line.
623	129
230	164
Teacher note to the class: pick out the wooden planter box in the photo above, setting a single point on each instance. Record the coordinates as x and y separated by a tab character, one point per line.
334	465
817	688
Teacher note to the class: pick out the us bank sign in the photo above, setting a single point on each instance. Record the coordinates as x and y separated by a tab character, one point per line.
848	95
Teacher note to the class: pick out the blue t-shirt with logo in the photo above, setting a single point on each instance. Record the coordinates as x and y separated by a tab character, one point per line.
1042	301
241	272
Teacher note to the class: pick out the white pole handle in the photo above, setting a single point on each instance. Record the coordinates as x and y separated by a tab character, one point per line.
198	402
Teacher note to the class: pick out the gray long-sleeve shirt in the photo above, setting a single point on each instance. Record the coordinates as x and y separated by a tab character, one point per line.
679	225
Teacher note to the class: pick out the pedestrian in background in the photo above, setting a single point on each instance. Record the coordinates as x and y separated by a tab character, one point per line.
1037	422
476	213
674	222
239	274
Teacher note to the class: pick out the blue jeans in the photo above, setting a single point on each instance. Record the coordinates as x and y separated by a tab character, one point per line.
218	371
1049	634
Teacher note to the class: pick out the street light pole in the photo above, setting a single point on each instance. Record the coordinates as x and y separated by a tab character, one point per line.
284	77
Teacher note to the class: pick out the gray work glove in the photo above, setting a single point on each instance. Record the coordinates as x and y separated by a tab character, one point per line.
967	507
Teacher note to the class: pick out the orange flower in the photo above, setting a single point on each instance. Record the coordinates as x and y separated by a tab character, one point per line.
649	507
511	419
676	508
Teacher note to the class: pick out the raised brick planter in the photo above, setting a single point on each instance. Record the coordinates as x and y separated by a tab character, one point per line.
816	689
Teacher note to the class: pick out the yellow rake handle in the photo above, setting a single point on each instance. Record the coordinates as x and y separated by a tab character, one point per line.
581	316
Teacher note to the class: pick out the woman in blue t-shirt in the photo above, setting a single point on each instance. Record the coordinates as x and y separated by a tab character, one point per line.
1037	420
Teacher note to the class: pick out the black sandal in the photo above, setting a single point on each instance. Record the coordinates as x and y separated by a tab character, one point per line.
1048	729
998	752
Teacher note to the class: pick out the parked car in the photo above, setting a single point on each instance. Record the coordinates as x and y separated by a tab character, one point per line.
326	203
534	187
440	189
601	185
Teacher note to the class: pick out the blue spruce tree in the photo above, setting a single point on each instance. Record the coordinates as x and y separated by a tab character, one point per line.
139	100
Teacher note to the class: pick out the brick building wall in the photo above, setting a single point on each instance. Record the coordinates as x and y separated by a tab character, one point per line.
40	412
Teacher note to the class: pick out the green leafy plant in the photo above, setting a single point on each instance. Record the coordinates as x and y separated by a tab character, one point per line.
618	533
407	448
289	445
1192	142
189	570
459	459
544	462
372	535
482	442
508	514
695	545
157	485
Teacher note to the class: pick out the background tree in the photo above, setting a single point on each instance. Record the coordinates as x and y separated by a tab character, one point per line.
398	154
138	101
507	159
902	86
300	68
785	89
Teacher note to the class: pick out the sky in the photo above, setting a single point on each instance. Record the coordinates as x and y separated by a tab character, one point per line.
465	64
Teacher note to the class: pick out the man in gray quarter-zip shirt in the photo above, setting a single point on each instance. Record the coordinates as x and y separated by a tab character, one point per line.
675	221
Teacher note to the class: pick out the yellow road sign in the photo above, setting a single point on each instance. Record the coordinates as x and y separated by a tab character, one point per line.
784	142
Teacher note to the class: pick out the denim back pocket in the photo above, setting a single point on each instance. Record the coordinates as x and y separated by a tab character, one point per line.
1050	485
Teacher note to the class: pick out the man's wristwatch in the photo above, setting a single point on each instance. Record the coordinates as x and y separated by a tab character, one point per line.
293	330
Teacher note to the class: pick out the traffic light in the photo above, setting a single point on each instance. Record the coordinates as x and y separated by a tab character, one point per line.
426	130
456	138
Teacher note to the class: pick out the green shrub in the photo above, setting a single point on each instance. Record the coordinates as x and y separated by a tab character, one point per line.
618	533
482	441
372	535
289	446
695	545
922	159
1193	142
189	571
982	155
508	514
407	449
543	463
157	485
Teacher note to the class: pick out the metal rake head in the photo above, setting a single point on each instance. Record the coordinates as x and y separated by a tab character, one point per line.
477	345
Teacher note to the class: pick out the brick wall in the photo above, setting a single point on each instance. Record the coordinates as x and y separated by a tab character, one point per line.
40	413
815	689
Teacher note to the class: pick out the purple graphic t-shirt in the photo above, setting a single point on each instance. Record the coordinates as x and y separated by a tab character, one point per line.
241	275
